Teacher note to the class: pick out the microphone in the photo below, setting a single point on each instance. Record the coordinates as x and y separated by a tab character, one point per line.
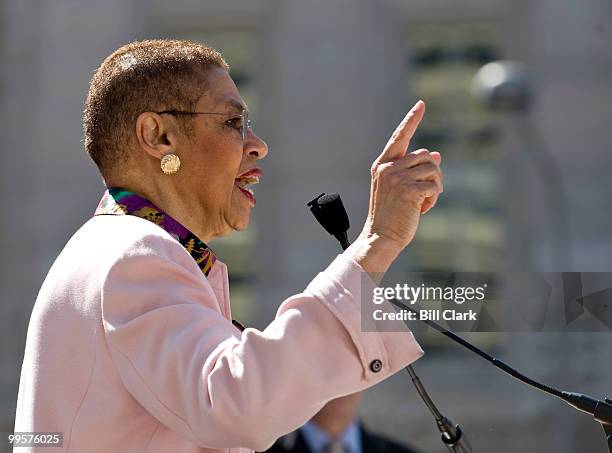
330	212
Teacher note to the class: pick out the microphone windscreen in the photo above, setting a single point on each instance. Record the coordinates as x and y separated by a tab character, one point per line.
330	212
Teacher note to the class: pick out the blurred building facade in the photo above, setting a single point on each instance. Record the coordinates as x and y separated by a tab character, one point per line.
327	82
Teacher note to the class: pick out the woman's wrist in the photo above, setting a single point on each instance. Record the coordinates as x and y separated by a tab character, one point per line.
374	253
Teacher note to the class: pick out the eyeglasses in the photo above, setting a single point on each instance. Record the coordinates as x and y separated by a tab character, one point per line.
243	117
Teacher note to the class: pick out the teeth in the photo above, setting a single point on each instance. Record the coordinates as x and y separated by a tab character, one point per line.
243	182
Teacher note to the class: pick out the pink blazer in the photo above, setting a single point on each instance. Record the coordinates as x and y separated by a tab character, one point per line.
130	348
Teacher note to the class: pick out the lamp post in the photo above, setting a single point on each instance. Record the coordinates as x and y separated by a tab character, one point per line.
506	86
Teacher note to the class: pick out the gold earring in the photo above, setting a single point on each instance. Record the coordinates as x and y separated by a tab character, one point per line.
170	163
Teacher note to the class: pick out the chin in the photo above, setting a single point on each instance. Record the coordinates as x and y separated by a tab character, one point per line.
241	224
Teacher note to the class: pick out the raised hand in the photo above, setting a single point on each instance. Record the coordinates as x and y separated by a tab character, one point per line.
404	185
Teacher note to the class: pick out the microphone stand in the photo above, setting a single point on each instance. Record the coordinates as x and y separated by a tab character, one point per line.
330	212
451	434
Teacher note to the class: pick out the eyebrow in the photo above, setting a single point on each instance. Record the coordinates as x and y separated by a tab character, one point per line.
236	105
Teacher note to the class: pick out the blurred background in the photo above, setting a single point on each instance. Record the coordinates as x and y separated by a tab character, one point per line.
527	157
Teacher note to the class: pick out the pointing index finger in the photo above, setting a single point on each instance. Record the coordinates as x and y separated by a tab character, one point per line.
400	139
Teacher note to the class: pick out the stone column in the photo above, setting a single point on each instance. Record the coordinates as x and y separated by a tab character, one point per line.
332	90
566	46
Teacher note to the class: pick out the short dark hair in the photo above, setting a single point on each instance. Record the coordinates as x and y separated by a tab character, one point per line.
142	76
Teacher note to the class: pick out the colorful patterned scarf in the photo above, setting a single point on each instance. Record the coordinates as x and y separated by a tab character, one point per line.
116	201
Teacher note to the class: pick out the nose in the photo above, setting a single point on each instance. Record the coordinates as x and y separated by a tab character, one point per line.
255	146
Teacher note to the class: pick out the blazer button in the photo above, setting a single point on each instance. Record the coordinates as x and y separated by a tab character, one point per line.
376	365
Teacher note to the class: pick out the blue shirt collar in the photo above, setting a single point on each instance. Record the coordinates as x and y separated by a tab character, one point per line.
317	438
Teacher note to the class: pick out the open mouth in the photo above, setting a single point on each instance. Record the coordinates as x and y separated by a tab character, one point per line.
249	178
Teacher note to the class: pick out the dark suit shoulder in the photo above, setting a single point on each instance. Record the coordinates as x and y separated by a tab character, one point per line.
291	443
370	443
376	443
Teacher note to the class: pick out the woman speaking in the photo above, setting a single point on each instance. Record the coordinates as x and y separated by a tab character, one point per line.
131	345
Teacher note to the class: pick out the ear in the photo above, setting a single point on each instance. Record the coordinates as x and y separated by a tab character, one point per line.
156	134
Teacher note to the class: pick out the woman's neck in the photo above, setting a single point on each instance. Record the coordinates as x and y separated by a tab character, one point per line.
172	200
